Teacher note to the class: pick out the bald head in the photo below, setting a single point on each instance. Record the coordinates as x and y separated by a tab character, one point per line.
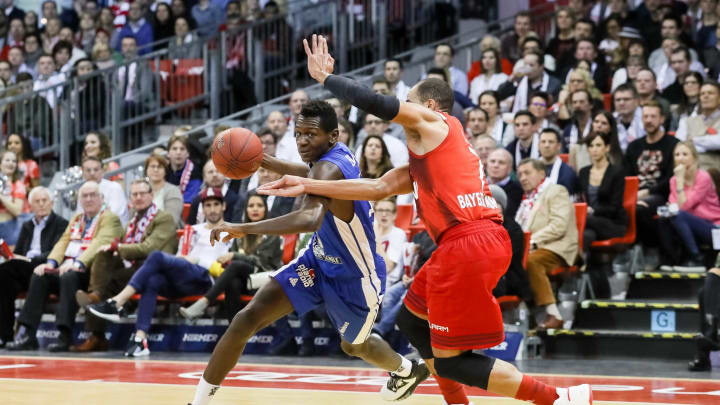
499	165
90	198
297	100
277	124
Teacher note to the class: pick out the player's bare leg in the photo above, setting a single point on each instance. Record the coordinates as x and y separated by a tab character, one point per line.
496	376
269	304
376	352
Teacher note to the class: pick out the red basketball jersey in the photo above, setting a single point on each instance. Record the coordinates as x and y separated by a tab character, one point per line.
449	184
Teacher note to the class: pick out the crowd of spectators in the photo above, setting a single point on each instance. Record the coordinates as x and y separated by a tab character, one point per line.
615	92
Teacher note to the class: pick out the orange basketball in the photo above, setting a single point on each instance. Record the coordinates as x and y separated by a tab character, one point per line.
237	153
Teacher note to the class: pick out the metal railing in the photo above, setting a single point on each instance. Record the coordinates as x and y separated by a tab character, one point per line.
467	51
205	79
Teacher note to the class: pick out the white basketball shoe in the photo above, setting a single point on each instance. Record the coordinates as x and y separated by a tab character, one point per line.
576	395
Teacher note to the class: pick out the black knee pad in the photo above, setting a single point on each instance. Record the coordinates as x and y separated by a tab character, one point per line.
468	368
417	331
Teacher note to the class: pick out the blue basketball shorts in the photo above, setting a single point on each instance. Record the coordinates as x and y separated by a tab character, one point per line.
352	301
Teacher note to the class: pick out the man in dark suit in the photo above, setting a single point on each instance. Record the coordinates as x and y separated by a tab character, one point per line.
499	167
36	240
585	50
557	171
277	206
528	78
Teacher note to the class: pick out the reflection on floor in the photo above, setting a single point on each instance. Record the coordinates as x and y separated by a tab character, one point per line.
37	380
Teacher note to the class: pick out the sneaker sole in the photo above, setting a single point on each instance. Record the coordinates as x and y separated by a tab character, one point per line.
108	317
407	390
184	313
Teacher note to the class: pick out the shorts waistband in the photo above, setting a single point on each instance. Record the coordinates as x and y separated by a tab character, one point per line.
467	228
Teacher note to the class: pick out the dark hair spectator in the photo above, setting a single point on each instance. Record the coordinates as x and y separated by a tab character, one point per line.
374	157
603	192
27	165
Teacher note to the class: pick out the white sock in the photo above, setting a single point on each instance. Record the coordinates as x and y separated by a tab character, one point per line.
405	367
204	393
553	310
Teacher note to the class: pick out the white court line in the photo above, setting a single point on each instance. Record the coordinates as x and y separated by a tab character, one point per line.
9	366
314	390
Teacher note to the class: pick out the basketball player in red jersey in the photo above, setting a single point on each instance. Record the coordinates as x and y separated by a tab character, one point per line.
449	309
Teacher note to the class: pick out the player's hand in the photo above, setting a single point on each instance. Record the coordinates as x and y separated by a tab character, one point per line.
320	63
287	186
234	231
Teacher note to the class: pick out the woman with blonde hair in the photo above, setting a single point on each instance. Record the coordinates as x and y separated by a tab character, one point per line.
578	79
694	197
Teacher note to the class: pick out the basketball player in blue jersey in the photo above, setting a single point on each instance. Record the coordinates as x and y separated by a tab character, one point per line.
340	266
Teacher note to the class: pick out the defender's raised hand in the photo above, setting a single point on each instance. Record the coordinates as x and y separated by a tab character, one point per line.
287	186
320	63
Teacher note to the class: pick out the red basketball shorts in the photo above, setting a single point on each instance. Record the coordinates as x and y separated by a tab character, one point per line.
454	287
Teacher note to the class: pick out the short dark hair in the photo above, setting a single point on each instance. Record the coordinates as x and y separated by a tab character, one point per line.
439	71
60	45
577	43
531	38
553	131
673	17
525	113
524	13
682	49
36	35
266	131
399	62
23	77
452	50
626	87
438	90
478	109
711	83
586	20
645	69
380	79
543	95
491	93
322	110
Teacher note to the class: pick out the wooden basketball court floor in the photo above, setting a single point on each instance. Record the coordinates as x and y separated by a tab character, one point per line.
80	381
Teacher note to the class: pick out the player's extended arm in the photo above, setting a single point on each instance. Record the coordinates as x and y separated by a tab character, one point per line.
320	66
396	181
281	166
307	218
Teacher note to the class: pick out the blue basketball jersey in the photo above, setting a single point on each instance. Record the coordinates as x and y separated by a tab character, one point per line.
340	267
347	250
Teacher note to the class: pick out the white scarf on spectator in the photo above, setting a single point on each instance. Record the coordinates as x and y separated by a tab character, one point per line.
635	131
534	151
498	130
521	95
528	202
555	171
575	135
